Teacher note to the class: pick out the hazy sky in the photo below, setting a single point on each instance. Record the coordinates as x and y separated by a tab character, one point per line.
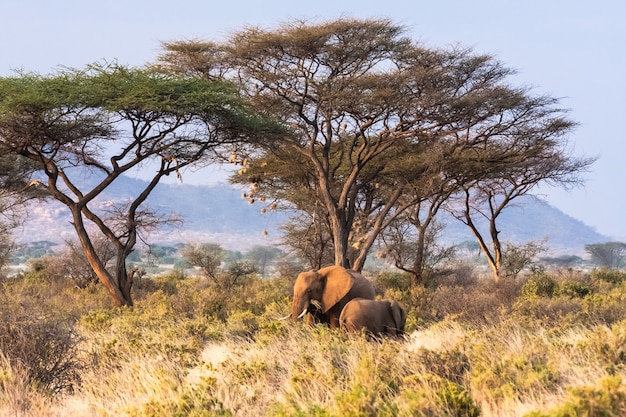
571	49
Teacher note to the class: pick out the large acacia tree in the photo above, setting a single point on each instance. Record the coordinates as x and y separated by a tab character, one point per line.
377	121
107	121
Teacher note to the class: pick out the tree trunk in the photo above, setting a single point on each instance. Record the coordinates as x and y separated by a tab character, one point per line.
124	279
340	243
118	289
418	264
494	259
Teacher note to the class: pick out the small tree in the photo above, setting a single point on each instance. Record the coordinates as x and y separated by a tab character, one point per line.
611	255
262	257
533	152
414	248
518	257
108	121
207	256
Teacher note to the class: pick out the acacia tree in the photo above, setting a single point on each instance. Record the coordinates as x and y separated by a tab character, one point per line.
529	153
107	121
411	241
608	255
371	115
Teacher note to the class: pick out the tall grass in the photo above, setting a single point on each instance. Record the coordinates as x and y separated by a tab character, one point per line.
546	345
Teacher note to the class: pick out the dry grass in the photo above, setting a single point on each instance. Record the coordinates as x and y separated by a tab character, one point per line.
171	356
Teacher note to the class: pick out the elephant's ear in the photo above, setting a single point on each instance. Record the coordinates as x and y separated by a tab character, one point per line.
398	316
338	282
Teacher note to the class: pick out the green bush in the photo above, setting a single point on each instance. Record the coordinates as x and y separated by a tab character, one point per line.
431	395
540	285
242	324
612	276
574	289
400	281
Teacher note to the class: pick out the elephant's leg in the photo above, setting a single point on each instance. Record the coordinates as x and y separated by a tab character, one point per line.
334	321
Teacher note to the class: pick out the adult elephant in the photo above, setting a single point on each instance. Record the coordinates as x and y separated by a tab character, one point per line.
377	317
323	293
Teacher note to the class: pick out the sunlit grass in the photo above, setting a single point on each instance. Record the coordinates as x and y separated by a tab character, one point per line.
178	353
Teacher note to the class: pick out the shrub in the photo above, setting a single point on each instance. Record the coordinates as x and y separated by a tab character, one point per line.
612	276
242	324
18	396
431	395
551	312
450	365
608	344
540	285
480	303
574	289
400	281
44	346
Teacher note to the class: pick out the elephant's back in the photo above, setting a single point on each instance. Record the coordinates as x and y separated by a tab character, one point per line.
362	288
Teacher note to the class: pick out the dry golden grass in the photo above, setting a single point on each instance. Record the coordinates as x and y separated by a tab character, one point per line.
170	356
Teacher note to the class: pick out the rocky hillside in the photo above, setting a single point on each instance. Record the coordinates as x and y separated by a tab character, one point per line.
219	214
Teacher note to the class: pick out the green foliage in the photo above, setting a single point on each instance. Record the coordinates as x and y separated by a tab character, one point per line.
540	285
457	401
242	324
429	395
400	281
574	289
612	276
518	257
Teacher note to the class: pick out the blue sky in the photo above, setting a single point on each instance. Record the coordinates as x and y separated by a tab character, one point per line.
574	50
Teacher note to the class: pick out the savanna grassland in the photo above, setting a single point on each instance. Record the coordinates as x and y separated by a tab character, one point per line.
548	344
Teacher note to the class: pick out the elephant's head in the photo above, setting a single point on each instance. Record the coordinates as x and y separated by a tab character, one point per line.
320	290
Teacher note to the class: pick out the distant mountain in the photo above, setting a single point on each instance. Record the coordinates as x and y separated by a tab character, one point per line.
531	219
219	214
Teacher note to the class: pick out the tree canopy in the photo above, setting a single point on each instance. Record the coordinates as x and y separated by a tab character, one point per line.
380	123
109	120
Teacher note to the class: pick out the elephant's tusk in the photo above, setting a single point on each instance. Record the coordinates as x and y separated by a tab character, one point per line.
284	318
303	313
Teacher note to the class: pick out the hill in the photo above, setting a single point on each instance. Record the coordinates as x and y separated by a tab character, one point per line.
219	214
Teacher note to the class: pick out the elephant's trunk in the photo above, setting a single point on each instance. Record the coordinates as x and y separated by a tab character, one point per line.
299	308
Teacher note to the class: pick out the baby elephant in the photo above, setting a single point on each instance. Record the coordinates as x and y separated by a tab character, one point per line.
378	317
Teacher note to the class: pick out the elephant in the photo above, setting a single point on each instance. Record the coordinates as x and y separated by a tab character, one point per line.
377	317
323	293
